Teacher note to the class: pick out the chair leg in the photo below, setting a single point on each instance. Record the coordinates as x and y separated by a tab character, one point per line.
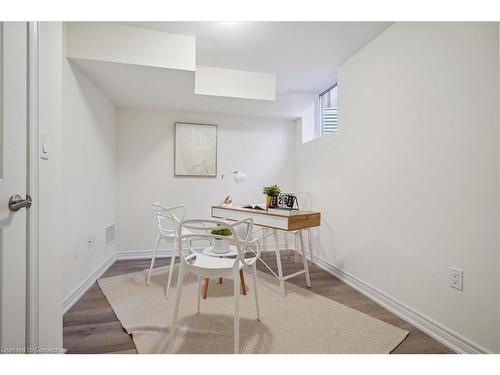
236	312
153	260
175	311
199	295
304	258
243	286
205	288
171	269
254	271
278	261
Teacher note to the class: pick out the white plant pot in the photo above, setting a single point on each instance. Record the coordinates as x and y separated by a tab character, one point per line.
220	245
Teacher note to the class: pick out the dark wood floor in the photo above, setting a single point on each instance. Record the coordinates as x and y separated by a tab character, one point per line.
91	326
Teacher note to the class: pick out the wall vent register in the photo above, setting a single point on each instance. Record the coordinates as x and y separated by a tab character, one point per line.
109	235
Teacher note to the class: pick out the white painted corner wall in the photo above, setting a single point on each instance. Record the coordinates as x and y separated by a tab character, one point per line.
263	149
88	175
409	185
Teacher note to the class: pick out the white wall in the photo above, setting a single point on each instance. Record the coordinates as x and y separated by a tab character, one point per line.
308	121
409	184
50	188
263	149
89	200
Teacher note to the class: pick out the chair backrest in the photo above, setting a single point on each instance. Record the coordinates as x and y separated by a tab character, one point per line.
200	230
168	218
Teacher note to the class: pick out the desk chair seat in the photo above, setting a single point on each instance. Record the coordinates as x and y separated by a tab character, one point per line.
205	266
209	264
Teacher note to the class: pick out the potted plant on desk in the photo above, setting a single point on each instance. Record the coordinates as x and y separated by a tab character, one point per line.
221	245
271	193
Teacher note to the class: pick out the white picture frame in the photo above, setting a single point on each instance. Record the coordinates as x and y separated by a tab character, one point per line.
195	150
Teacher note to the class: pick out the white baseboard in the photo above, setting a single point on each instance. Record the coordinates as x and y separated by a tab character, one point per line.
80	290
444	335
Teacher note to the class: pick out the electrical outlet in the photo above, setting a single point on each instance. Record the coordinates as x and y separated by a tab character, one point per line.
91	241
456	278
76	249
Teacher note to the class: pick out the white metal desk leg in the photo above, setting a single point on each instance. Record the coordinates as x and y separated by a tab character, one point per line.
304	257
264	238
296	249
278	261
310	245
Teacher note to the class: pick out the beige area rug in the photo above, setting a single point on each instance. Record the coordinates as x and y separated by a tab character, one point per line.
302	322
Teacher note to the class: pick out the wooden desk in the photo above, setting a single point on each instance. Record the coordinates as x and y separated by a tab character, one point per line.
275	220
271	218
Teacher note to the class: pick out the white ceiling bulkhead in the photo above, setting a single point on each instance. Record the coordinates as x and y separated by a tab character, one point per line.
262	69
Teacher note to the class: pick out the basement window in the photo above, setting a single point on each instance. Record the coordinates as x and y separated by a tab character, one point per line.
328	111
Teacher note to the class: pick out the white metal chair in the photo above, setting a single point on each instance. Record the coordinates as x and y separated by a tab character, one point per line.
168	219
213	267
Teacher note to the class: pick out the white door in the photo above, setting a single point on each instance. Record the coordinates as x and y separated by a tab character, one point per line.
13	180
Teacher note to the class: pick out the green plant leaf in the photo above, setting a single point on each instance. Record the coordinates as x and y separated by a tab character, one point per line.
225	232
271	191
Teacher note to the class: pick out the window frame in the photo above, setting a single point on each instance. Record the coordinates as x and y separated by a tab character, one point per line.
319	107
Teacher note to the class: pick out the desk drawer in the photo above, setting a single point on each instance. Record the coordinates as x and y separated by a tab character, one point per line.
304	221
278	222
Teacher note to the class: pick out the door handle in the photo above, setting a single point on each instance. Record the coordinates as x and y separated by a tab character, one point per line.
16	202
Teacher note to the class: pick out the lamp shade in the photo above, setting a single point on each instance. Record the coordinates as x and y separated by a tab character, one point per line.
239	177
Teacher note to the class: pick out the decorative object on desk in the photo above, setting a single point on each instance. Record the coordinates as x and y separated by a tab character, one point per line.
256	206
271	193
195	150
287	201
227	202
221	245
238	177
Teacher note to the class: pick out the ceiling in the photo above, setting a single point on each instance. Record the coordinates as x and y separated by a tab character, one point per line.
303	55
135	86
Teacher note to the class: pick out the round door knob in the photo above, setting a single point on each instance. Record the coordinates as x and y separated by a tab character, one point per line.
16	202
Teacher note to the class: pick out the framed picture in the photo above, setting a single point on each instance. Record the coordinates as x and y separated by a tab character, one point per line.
195	150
